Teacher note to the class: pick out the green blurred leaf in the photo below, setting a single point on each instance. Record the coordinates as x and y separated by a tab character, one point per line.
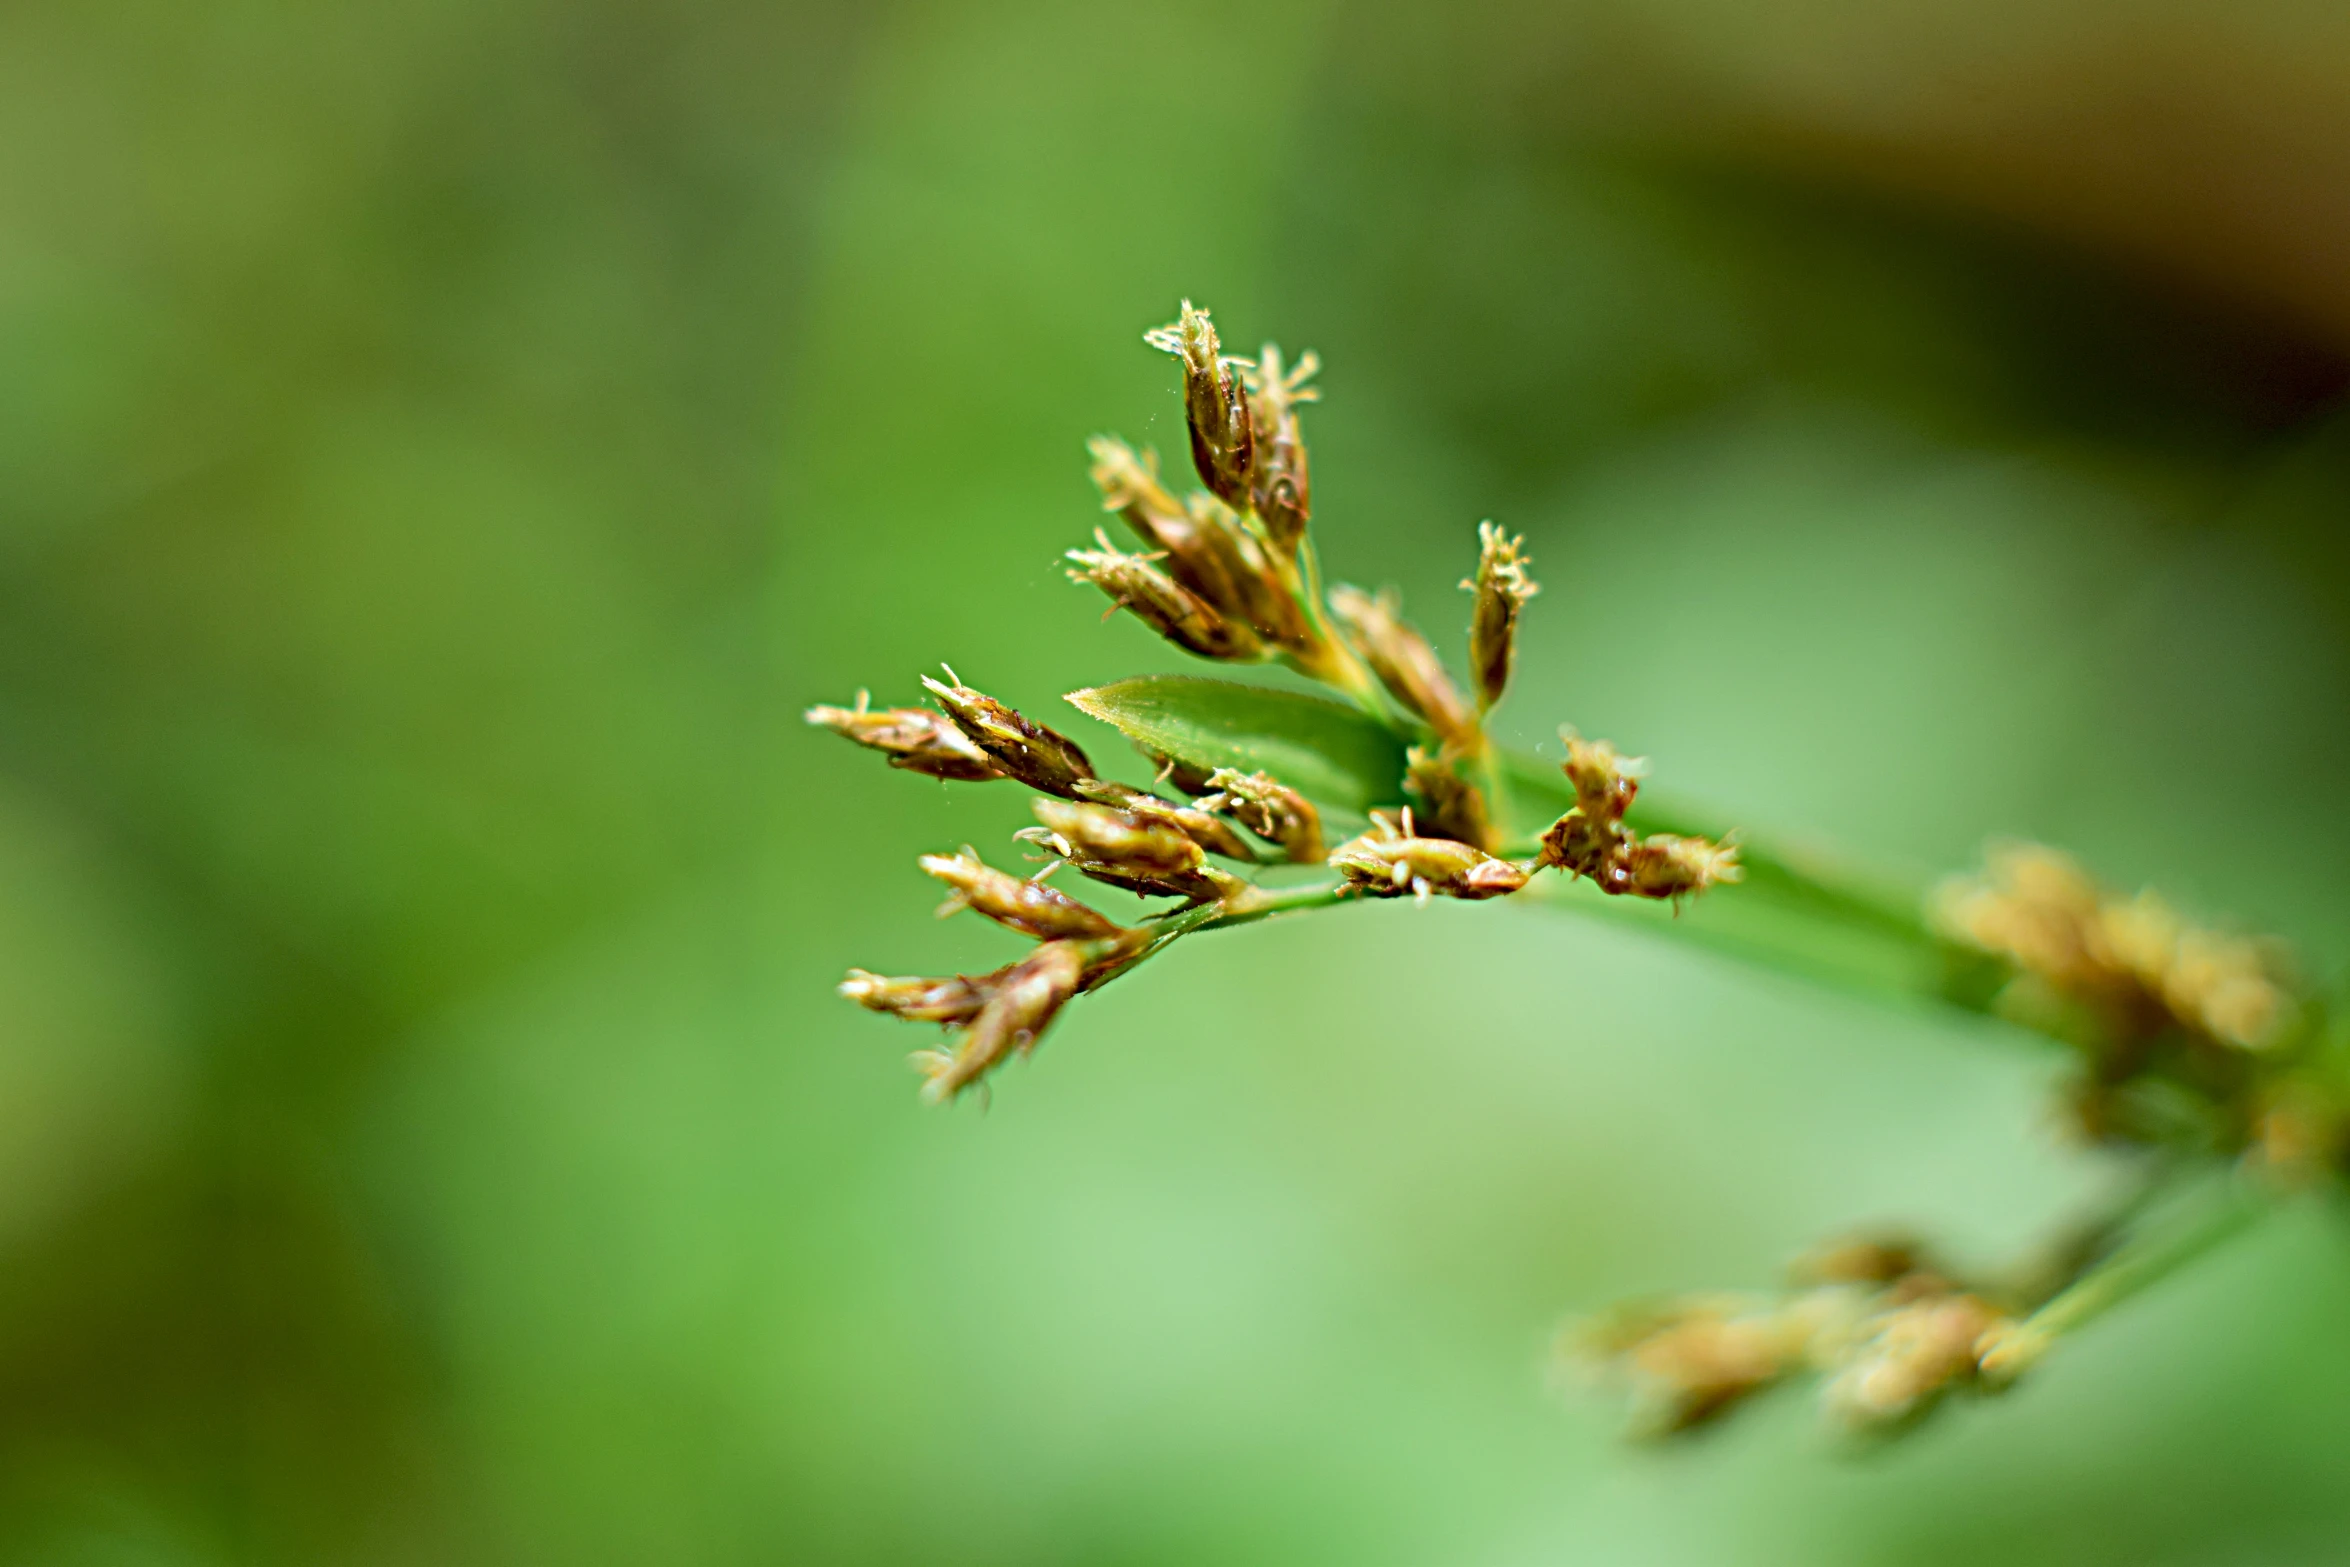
1331	754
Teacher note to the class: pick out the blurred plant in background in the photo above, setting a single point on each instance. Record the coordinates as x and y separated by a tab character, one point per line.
441	447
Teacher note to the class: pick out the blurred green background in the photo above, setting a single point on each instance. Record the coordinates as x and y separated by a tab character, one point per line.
443	446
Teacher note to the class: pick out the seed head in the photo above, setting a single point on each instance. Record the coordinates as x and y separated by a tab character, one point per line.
1445	804
1502	587
1271	810
1027	906
914	738
1223	439
1283	493
1162	603
1039	757
1125	849
1404	662
954	999
1389	861
1013	1019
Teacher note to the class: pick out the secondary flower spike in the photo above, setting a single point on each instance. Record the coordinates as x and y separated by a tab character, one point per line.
1405	664
1015	1016
1223	436
1165	605
1502	589
1283	493
914	738
1029	907
1039	757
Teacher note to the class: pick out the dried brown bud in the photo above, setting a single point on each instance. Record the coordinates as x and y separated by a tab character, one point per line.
1271	810
1015	1016
1404	662
1389	861
1028	751
1211	833
1029	907
1163	604
914	738
1446	804
1666	866
1591	840
1605	782
1501	586
956	998
1283	492
1223	440
1125	849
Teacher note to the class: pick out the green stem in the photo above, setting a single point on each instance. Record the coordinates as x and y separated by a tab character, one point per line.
2143	1262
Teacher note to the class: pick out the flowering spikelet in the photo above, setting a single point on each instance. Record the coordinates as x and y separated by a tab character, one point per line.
914	738
1909	1357
1015	1016
1039	757
1405	664
1444	803
1125	849
2133	961
1223	438
1689	1362
1502	588
1273	811
956	998
1163	604
1390	861
1210	832
1283	493
1027	906
1592	840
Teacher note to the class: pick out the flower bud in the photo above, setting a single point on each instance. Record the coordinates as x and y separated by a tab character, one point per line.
1211	833
1388	862
1029	907
914	738
1445	804
1164	604
1223	440
1016	1015
1274	812
956	998
1502	587
1124	849
1282	492
1404	662
1037	756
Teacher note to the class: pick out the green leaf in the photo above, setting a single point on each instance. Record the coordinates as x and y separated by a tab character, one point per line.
1332	755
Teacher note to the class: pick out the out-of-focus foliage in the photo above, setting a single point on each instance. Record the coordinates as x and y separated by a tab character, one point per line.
442	447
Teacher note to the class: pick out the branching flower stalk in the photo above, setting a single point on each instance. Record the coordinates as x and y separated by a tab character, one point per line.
2196	1053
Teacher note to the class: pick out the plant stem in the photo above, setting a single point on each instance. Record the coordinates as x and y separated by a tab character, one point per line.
2139	1264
